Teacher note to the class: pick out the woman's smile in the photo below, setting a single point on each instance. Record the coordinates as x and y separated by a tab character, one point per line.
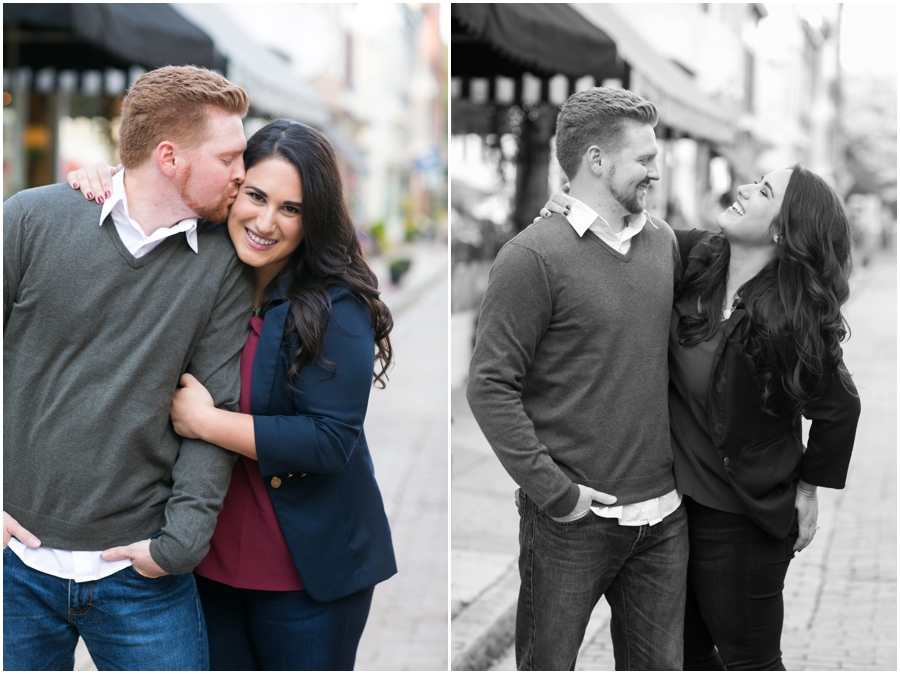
737	208
258	242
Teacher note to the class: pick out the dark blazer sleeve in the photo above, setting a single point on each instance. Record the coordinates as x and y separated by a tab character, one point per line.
834	418
331	406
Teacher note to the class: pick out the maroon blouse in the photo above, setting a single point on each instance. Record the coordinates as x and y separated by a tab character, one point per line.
248	549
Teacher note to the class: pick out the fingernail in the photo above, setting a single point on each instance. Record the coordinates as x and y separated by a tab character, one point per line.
107	194
75	185
90	195
99	200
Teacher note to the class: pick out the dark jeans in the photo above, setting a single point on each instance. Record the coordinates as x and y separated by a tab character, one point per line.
127	621
281	631
566	567
735	607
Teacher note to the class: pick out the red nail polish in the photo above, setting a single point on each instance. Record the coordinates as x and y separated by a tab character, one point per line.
90	195
75	186
107	194
99	200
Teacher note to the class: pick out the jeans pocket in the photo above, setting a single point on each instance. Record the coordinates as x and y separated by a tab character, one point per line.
574	520
146	579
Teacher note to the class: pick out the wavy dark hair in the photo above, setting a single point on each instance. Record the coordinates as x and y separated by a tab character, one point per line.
330	253
795	326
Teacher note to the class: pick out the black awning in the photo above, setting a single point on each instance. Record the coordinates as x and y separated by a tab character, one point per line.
544	39
97	36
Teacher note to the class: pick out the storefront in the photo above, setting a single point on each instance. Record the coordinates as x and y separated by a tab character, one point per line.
67	67
73	62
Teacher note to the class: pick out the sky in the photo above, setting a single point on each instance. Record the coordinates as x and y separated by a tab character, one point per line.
306	31
869	37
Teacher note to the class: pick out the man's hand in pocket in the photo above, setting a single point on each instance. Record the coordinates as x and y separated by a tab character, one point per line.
586	496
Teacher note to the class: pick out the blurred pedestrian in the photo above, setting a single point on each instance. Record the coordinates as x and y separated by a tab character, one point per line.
568	384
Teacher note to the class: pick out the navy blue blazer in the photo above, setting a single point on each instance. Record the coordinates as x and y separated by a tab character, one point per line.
312	452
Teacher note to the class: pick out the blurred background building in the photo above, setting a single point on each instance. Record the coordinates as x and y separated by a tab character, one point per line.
741	88
373	80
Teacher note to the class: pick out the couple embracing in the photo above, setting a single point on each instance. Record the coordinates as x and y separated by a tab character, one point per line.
233	269
644	388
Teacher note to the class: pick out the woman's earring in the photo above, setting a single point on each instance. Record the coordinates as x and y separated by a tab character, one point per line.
776	239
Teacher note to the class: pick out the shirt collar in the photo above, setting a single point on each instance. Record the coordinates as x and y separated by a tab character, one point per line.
581	217
118	197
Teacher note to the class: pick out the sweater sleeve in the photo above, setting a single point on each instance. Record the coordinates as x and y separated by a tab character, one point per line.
515	314
202	471
331	403
13	218
834	419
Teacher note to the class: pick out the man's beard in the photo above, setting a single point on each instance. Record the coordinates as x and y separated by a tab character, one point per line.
217	213
630	202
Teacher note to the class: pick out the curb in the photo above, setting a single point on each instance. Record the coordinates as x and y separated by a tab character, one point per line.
485	629
429	266
402	298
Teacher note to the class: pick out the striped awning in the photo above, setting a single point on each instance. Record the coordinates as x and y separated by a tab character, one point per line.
540	38
483	73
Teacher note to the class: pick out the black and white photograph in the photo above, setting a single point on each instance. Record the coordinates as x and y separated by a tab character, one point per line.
673	336
450	336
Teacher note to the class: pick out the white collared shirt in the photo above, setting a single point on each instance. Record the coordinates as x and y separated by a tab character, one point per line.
582	218
78	565
138	243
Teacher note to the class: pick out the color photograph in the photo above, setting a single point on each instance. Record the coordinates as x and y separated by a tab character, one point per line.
225	275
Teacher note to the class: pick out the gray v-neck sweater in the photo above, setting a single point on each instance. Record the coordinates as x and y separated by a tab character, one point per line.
95	341
569	376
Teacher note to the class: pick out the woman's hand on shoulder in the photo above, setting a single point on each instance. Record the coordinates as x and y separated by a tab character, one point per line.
95	182
191	408
560	203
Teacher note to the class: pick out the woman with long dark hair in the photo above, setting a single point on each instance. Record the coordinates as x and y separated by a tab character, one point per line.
754	345
302	538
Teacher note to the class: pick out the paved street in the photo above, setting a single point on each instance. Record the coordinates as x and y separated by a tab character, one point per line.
840	593
407	430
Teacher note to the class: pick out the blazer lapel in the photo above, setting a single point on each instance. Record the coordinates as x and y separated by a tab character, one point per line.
265	362
715	405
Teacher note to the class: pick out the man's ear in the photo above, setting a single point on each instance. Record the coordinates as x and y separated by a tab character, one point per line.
168	157
594	159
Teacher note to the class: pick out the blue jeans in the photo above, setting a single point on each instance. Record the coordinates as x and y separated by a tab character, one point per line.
566	567
127	621
253	630
735	607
